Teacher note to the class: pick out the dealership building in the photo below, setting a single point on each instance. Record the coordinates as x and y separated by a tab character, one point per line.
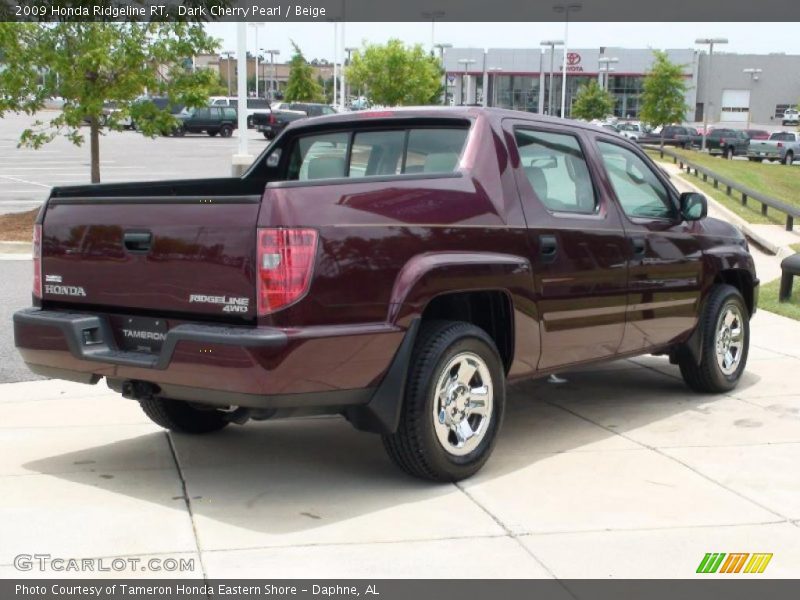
730	88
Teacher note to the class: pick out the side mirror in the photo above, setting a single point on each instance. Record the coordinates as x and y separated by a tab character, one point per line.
694	206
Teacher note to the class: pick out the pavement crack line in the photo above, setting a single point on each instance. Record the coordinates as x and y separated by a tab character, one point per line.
187	501
509	533
676	460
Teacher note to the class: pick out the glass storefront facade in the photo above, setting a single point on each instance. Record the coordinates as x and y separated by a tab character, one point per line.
521	92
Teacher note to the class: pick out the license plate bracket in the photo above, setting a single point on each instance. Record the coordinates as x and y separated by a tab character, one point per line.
142	334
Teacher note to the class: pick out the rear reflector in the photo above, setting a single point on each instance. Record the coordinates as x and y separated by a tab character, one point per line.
285	263
37	261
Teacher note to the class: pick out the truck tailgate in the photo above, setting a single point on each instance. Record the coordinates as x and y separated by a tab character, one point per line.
169	255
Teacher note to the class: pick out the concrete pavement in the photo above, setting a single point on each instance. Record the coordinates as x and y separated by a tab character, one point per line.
619	472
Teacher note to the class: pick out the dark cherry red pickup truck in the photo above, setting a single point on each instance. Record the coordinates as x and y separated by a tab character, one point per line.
395	267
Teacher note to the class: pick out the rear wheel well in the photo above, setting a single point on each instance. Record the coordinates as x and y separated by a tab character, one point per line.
740	279
491	310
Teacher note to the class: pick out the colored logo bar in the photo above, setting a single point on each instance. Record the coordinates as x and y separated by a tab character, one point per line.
737	562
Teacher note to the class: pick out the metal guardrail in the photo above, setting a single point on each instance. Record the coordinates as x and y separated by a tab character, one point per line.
746	193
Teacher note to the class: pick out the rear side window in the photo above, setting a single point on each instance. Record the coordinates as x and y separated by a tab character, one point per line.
555	167
376	153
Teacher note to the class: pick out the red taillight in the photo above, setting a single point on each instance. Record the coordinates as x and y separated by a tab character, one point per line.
780	144
271	119
37	261
285	261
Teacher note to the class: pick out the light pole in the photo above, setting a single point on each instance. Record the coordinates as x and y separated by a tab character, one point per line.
433	15
274	84
604	67
552	44
566	9
256	27
706	103
466	62
335	52
753	78
227	54
349	50
442	48
494	71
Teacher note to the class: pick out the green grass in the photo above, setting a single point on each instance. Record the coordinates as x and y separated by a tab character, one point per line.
795	247
775	180
768	300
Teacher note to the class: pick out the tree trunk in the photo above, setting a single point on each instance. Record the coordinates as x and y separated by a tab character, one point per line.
94	148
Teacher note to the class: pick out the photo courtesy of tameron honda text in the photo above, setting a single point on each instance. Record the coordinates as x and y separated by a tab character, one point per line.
299	296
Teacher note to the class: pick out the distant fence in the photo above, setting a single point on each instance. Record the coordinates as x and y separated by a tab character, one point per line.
731	186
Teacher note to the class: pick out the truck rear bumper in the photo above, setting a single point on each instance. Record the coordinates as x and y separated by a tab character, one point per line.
258	367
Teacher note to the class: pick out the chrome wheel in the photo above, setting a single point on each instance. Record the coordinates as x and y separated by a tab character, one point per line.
729	341
462	407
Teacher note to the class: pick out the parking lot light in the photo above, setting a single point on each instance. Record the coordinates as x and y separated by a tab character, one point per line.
566	9
442	48
710	43
552	44
753	72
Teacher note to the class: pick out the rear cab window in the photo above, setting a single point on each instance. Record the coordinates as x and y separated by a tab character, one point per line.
360	153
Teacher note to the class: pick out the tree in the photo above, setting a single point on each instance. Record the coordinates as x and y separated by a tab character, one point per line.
91	63
663	96
592	102
396	75
302	86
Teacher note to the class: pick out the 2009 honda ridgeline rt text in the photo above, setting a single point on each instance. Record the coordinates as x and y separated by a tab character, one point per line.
396	267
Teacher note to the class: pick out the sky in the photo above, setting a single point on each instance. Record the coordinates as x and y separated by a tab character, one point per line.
316	39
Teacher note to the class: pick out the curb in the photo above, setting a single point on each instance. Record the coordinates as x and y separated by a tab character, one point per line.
16	247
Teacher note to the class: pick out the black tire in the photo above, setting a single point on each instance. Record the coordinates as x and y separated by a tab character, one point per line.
727	154
708	377
788	158
268	135
212	133
226	131
182	417
249	122
179	132
415	447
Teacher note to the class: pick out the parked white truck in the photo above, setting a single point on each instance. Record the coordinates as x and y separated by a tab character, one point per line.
791	116
783	146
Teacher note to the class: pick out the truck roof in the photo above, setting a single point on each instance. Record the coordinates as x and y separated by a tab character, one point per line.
440	112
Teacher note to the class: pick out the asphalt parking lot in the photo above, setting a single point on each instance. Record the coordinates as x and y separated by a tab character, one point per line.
26	175
619	472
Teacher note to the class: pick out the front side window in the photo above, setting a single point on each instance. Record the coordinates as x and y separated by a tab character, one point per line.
555	167
639	191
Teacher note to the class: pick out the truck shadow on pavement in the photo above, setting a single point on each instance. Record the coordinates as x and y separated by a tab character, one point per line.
317	480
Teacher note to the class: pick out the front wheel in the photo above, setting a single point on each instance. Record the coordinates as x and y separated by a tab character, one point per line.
453	406
182	417
226	131
725	333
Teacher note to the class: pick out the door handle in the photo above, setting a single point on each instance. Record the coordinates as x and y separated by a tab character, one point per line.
137	241
639	246
548	248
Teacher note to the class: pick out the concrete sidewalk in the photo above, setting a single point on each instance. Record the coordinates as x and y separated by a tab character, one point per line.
620	472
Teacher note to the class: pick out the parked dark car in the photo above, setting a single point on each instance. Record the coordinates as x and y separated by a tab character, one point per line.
756	134
158	103
396	267
725	142
672	135
272	124
212	120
